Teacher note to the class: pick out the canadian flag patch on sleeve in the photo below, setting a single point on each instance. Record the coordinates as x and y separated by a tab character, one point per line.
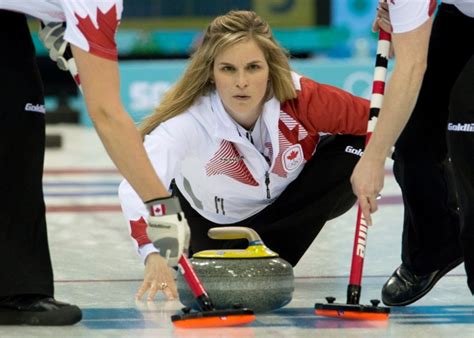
158	210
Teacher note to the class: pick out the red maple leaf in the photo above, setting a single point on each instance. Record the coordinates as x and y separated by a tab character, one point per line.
102	39
292	155
290	134
138	231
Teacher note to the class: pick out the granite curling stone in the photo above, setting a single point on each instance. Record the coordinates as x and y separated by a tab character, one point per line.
255	278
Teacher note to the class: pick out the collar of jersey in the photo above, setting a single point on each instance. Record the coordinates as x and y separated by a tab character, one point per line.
224	126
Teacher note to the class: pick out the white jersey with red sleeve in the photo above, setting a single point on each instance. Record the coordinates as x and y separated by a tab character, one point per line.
228	176
407	15
90	24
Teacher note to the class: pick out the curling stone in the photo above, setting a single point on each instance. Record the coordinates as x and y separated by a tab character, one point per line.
254	277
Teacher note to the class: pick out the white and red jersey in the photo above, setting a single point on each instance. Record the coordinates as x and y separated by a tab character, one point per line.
407	15
223	174
90	24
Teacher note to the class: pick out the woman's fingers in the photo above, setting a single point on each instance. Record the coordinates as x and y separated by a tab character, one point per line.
143	288
365	209
168	286
158	278
153	291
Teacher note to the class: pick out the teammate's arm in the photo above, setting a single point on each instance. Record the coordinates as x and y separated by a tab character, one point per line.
411	50
100	84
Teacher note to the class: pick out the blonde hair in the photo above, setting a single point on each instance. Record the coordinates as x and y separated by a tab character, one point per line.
223	32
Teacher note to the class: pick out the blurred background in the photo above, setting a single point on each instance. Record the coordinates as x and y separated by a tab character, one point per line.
330	41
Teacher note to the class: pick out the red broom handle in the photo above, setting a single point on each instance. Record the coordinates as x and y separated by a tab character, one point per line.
191	277
360	239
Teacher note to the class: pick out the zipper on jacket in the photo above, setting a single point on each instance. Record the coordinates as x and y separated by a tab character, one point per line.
267	183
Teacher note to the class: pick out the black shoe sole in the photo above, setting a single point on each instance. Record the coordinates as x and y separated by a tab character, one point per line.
69	315
433	282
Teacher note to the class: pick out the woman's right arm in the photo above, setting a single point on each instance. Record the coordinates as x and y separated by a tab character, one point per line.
166	147
157	270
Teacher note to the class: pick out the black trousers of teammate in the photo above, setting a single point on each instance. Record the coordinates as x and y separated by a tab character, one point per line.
422	167
25	265
289	225
461	151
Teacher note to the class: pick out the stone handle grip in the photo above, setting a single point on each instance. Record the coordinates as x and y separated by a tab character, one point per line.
233	233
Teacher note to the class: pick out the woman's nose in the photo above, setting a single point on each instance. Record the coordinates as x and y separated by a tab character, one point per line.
242	80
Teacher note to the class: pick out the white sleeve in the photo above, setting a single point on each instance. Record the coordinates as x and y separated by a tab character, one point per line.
136	214
166	147
407	15
91	25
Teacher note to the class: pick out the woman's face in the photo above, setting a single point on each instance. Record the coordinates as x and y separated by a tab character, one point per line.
241	77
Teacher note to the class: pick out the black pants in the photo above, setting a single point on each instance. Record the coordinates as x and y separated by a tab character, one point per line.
290	224
422	166
25	266
461	151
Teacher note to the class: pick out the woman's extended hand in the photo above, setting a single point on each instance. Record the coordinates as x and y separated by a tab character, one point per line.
158	277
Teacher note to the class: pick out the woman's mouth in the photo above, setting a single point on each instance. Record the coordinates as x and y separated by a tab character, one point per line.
241	97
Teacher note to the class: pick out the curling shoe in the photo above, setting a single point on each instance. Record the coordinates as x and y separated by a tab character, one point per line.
37	310
404	287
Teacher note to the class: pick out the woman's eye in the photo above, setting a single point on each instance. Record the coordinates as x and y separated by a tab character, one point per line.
227	68
254	67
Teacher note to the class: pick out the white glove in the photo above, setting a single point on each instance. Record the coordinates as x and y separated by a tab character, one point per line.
52	36
168	229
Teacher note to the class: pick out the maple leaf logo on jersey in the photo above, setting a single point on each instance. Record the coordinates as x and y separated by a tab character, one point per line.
290	134
101	39
293	155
